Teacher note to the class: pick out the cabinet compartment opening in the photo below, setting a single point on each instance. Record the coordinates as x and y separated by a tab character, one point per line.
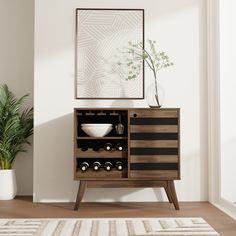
113	117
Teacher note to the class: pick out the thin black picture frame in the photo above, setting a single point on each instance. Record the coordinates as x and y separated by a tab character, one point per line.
76	54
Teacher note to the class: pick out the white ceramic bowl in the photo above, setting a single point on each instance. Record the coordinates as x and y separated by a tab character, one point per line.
96	130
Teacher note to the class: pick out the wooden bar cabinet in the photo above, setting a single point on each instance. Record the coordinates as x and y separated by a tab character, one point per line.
150	154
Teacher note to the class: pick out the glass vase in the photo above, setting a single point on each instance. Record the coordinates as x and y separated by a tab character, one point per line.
155	95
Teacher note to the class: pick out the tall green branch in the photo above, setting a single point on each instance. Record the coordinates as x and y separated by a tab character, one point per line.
155	60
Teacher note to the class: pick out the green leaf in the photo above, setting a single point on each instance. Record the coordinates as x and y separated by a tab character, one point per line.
15	126
130	63
135	54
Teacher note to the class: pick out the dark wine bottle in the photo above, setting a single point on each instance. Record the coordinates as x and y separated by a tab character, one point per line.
119	165
108	146
84	149
108	166
96	165
119	147
84	166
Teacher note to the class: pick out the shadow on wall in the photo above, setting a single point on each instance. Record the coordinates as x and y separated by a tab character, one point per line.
228	174
53	171
124	195
24	171
122	103
126	103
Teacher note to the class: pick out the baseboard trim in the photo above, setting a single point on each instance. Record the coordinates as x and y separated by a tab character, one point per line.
227	207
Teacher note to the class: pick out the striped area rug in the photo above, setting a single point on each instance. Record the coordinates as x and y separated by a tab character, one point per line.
106	227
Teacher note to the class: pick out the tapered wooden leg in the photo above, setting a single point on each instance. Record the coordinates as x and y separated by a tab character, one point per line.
168	193
80	194
171	187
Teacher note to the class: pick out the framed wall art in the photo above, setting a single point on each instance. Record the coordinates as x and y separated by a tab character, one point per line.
101	37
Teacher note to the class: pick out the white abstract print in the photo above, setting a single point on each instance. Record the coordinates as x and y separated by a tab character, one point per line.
100	35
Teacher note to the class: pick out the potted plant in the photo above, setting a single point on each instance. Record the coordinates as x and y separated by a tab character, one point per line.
16	126
133	56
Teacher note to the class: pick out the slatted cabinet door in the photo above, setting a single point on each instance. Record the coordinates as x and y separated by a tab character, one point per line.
154	144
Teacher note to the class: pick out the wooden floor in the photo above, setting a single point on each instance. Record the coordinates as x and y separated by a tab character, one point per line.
22	207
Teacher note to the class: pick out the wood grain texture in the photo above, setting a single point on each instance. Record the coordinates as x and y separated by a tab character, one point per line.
129	131
140	155
101	153
173	196
153	113
153	143
179	154
127	184
91	174
80	194
154	174
153	128
158	142
154	159
168	194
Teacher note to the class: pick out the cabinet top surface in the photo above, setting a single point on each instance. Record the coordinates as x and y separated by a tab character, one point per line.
124	108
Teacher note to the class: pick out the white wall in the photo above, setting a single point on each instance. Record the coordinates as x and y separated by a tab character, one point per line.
228	98
179	29
16	69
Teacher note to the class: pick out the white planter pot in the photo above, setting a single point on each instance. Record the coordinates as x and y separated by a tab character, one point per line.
8	187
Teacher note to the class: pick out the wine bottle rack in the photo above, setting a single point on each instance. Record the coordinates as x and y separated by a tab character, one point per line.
150	155
100	143
101	173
